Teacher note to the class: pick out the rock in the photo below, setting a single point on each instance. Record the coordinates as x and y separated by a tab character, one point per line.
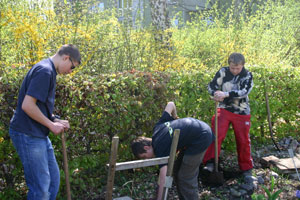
294	176
274	174
260	180
123	198
261	174
287	141
255	185
250	179
235	193
293	145
248	187
213	198
236	187
243	192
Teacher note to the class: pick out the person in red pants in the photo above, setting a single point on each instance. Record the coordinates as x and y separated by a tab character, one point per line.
230	87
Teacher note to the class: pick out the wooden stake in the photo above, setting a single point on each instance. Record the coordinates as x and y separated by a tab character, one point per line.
112	168
66	168
171	160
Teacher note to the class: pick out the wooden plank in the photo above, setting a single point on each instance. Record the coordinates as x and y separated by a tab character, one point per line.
171	160
140	163
284	164
287	163
112	168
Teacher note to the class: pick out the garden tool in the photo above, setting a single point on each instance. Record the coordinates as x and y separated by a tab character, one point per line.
291	153
216	178
269	117
66	169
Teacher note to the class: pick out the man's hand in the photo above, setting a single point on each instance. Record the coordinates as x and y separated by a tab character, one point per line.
220	96
63	122
57	128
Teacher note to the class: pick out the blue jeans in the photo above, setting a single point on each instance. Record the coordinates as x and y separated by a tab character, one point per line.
40	166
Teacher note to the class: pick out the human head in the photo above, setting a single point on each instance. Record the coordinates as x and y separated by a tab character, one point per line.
236	58
70	50
236	63
67	56
142	147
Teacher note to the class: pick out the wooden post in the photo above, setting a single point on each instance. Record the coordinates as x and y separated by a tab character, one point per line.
171	163
66	168
112	168
216	135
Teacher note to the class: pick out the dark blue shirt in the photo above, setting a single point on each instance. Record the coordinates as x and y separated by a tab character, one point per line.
40	83
195	135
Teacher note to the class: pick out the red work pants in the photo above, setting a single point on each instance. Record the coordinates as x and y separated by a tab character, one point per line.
241	127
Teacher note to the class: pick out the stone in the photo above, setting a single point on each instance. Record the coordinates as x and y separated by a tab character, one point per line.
243	192
235	193
123	198
274	174
248	187
250	179
294	176
260	180
293	145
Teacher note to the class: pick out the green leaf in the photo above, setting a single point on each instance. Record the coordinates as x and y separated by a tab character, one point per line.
276	194
267	191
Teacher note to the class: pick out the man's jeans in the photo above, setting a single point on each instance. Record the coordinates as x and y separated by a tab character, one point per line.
186	170
40	166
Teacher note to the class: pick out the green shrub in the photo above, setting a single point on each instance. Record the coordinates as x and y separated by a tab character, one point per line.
128	104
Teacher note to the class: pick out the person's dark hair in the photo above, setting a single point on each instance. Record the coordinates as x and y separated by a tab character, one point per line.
137	145
236	58
70	50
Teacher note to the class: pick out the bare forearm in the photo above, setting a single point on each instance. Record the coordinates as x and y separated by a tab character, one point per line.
174	112
33	111
160	192
171	109
162	177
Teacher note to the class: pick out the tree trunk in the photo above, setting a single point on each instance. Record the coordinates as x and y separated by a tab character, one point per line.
160	20
159	14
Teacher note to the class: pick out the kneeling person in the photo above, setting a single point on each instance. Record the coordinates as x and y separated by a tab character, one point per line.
195	137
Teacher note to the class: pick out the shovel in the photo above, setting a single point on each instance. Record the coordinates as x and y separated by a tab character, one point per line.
66	169
216	178
291	153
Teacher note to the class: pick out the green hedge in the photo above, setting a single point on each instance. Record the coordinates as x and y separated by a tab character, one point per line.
128	104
